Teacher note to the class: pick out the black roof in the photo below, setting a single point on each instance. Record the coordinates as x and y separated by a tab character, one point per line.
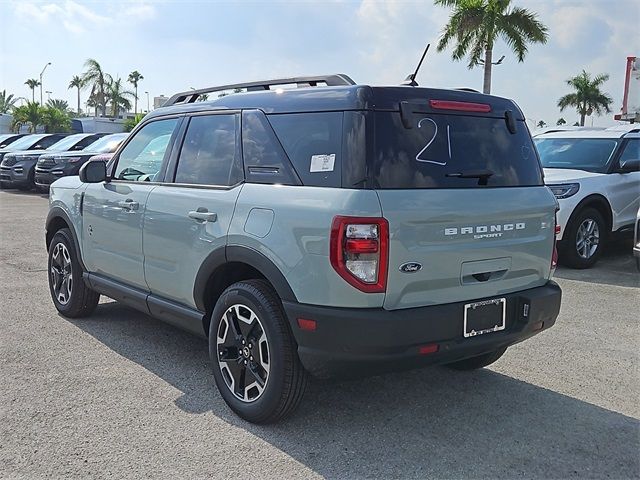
336	98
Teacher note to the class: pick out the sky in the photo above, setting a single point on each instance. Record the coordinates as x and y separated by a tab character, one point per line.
181	44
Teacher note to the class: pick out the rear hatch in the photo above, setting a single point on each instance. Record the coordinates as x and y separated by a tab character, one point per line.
462	189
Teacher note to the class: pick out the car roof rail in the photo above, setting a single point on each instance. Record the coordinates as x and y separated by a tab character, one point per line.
191	96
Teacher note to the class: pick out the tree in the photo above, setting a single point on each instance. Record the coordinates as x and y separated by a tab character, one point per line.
118	97
134	79
99	81
76	82
475	25
56	103
587	97
130	123
30	114
55	120
561	121
32	83
7	102
541	124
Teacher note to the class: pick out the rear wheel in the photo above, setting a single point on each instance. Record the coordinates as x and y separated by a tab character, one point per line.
480	361
70	295
255	362
584	238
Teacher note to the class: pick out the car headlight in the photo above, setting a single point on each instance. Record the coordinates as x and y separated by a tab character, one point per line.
564	190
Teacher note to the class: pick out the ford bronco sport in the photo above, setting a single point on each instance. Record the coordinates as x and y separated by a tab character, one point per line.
330	229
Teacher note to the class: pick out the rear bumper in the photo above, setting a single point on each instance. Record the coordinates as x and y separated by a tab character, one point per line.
350	342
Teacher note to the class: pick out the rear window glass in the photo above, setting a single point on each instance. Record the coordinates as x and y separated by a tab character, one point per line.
441	150
589	154
313	143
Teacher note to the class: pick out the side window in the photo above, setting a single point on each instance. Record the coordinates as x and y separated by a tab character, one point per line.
142	157
313	142
209	153
46	142
264	158
631	151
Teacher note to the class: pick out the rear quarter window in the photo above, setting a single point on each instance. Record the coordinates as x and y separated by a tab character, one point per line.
439	147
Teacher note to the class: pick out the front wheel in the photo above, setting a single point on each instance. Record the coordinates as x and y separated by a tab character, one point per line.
255	360
480	361
584	238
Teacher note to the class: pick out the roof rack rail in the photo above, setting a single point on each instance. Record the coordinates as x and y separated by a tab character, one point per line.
329	80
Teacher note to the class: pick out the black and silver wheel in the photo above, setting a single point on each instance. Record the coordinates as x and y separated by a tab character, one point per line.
583	240
70	295
254	355
479	361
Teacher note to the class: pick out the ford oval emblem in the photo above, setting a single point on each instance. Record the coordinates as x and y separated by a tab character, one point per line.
410	267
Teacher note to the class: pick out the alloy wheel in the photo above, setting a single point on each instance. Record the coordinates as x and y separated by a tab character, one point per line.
243	353
587	238
61	273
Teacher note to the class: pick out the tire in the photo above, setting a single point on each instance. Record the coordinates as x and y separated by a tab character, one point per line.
575	254
251	311
480	361
81	301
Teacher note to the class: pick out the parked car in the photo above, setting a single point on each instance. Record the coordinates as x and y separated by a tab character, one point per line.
51	166
595	175
333	230
636	241
17	169
8	138
28	142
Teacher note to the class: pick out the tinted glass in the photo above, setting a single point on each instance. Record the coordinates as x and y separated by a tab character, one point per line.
440	149
631	151
69	143
264	158
142	158
107	144
209	154
589	154
313	143
25	142
46	142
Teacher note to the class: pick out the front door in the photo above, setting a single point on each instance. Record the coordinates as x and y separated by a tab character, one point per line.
113	211
624	188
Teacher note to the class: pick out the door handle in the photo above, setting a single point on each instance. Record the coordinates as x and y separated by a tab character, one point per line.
129	205
203	215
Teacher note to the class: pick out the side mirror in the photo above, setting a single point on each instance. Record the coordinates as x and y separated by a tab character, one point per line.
631	165
93	172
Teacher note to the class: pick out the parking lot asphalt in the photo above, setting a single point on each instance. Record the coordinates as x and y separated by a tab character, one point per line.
121	395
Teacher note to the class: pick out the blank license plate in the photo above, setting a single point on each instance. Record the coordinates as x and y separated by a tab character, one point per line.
484	317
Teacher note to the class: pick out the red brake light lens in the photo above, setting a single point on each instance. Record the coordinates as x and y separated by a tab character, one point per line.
460	106
359	251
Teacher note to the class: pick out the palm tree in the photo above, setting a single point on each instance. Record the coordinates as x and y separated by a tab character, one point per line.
32	83
118	97
587	97
541	124
561	121
7	102
76	82
134	79
55	120
99	81
475	25
58	104
30	114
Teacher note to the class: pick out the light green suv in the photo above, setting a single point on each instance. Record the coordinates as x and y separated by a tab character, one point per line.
330	229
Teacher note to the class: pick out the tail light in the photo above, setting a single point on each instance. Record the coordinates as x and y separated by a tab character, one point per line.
554	255
359	251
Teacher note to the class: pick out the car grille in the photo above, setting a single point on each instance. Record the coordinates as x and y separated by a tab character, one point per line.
46	163
9	161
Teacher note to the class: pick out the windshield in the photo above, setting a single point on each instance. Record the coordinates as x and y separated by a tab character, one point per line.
588	154
452	151
66	143
106	144
25	142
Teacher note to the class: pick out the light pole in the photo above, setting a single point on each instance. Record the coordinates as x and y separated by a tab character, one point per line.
48	92
148	109
42	73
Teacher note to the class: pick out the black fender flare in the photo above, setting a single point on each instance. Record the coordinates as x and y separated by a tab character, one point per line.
58	212
594	198
237	253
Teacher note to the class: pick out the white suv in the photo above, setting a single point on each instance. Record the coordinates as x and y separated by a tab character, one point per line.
595	175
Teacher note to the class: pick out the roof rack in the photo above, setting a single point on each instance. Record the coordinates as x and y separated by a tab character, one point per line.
329	80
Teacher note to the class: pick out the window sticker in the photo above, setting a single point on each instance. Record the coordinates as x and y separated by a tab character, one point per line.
322	163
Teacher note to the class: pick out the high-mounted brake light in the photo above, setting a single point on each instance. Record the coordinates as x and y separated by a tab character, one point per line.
359	251
460	106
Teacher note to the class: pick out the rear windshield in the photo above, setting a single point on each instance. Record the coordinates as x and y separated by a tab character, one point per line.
589	154
441	150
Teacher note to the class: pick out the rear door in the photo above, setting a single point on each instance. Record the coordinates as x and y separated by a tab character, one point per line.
113	211
623	189
188	217
464	198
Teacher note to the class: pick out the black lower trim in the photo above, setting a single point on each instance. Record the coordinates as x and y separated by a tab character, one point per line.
125	294
349	340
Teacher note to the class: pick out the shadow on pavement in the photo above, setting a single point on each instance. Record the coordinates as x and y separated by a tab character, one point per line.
430	422
616	267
